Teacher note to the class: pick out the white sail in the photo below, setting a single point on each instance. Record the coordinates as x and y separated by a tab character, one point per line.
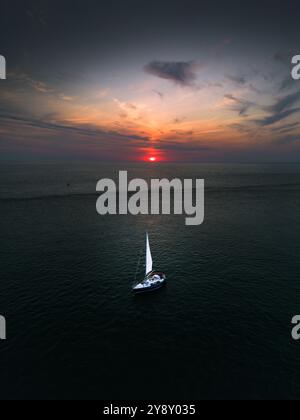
149	262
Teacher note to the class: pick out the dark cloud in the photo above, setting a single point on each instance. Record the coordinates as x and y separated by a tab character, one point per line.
280	110
272	119
182	73
284	103
287	127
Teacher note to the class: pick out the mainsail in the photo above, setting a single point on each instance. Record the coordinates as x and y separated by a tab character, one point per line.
149	262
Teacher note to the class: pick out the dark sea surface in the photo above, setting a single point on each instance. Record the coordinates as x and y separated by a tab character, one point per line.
221	329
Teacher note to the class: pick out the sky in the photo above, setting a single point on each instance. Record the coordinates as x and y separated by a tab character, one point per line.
183	81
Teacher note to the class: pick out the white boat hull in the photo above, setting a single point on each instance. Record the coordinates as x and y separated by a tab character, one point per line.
150	284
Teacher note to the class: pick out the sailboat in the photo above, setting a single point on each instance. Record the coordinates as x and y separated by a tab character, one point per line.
154	279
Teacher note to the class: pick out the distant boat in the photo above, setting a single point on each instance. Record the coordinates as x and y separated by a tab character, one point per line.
154	279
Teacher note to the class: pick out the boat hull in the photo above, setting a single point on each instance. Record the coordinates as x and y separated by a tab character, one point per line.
149	289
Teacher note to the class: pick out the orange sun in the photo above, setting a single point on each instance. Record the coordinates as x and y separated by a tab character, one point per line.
152	159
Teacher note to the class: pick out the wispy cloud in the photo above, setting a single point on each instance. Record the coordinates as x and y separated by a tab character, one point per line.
159	94
86	130
19	81
285	128
284	103
283	108
272	119
242	106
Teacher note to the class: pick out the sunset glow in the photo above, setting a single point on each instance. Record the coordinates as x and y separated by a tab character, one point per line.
228	99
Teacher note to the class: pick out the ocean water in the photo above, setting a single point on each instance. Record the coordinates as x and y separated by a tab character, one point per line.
221	329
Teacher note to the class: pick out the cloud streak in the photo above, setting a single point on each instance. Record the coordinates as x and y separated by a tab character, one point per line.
282	109
284	103
27	122
242	106
272	119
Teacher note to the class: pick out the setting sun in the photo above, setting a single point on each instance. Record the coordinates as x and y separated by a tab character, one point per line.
152	159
